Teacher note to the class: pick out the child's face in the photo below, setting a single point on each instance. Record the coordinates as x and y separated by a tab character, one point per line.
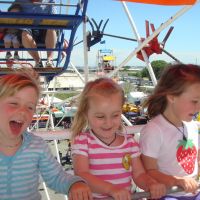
104	114
16	112
187	104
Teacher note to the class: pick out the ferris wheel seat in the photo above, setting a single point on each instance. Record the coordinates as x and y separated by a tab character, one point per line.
62	23
39	21
47	71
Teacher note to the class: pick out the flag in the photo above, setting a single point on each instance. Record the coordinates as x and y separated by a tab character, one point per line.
164	2
103	42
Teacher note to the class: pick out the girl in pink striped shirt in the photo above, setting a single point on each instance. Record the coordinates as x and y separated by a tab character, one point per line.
105	157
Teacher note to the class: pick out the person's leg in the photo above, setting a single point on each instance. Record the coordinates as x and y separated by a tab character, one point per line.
29	42
16	44
65	45
50	42
7	44
7	41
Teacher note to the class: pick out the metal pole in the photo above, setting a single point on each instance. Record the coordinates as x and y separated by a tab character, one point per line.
146	59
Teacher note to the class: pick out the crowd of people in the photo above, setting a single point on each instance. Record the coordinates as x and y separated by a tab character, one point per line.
30	38
106	160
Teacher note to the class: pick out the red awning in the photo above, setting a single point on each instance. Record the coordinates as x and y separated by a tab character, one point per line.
164	2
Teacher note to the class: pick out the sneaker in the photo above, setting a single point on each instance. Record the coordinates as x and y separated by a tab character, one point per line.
49	63
39	65
16	56
8	55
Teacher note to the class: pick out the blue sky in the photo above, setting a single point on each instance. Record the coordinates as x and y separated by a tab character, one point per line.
183	43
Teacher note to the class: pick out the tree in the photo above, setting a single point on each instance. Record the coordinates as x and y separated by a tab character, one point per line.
158	66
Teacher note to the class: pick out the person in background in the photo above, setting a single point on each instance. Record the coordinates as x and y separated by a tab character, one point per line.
31	37
11	35
24	156
109	159
170	141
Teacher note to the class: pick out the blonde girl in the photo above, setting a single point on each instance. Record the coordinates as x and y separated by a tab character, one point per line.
105	157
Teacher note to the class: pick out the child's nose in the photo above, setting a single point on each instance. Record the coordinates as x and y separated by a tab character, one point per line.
108	121
22	110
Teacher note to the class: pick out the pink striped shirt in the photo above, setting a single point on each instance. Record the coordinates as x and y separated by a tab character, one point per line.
105	162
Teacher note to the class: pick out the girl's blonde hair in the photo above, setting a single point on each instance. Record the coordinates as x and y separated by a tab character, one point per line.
173	81
17	80
101	86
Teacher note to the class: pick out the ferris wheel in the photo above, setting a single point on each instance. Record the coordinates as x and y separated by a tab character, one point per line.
64	24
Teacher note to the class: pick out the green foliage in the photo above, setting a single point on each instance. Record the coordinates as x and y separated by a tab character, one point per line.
126	67
158	66
132	73
64	96
145	73
138	74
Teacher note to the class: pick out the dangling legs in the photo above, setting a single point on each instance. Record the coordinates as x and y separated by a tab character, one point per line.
16	44
7	44
50	42
29	42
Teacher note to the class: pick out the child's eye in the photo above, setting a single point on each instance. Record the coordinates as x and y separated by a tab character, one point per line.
99	117
13	103
194	101
31	108
116	115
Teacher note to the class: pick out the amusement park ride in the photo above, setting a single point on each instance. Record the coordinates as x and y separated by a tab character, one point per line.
70	23
59	22
106	60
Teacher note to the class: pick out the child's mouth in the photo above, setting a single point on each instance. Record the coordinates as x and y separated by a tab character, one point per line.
16	127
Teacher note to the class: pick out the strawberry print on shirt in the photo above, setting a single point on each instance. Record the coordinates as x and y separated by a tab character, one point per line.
186	155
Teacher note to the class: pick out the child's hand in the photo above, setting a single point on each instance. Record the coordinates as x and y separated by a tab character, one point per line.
120	194
157	190
80	191
187	183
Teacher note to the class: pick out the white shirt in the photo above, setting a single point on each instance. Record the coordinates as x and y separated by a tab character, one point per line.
159	139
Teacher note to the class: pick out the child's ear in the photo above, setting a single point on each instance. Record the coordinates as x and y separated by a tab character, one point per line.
170	98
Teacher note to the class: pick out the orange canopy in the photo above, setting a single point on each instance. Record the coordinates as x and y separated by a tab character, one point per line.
164	2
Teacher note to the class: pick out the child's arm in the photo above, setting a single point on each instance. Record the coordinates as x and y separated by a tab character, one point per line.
59	180
81	168
145	182
150	164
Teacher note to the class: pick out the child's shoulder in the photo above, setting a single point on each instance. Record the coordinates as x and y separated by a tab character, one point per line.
155	122
84	135
30	137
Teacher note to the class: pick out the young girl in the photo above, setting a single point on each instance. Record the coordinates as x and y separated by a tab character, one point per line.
170	141
107	159
23	156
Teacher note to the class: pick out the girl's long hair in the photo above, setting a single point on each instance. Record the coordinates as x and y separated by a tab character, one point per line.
173	81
